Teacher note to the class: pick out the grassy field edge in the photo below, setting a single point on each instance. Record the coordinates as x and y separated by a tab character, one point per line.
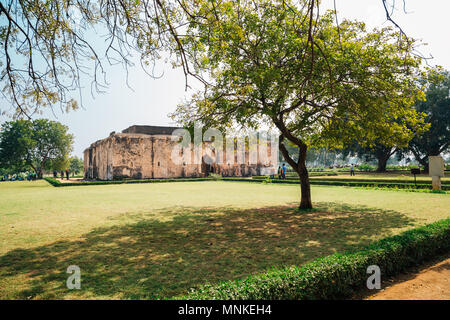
339	275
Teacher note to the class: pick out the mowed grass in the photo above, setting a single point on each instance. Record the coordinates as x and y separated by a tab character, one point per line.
149	241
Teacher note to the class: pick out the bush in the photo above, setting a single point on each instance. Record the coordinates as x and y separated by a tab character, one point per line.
377	180
366	167
56	183
267	180
396	167
215	176
338	275
349	183
52	181
396	185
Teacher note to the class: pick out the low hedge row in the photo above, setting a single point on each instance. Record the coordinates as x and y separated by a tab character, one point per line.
294	176
57	183
336	276
379	180
374	184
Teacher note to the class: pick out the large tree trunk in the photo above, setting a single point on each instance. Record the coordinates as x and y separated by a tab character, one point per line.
305	202
300	167
382	163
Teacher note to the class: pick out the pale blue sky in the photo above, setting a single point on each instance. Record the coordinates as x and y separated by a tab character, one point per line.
152	100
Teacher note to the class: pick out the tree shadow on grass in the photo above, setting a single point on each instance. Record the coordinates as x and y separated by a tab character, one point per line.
154	259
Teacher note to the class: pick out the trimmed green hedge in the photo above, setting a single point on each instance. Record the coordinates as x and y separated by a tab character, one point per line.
336	276
379	180
374	184
57	183
294	176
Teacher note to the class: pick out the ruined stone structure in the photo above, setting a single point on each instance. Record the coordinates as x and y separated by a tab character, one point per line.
145	152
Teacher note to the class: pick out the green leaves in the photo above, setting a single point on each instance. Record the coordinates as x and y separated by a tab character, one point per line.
28	144
436	110
328	88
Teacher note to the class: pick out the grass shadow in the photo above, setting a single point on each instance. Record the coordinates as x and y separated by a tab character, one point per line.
153	259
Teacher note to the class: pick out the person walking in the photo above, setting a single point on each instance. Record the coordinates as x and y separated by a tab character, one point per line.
352	171
279	172
67	174
283	171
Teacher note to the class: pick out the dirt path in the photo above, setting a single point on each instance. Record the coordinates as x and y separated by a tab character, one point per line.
432	282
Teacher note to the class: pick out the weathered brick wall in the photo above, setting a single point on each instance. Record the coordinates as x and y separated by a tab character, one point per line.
131	156
98	160
143	156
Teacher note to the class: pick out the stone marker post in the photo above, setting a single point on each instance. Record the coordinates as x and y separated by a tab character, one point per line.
437	169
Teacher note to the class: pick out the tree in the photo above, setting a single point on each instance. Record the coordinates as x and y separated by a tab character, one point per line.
48	48
15	141
60	163
379	152
33	144
318	84
437	109
76	165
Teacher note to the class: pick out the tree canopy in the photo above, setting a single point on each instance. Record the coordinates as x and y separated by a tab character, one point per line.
76	165
318	84
48	48
33	144
436	107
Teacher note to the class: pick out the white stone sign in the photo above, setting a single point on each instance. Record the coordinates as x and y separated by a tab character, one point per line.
436	169
437	166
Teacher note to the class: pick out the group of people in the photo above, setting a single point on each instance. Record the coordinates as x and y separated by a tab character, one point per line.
19	177
282	172
67	172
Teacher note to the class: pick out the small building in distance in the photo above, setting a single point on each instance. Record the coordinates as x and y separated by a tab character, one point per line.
145	152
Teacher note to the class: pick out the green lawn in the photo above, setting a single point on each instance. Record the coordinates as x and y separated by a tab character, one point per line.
160	239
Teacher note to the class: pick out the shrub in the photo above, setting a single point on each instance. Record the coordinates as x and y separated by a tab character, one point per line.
349	183
56	183
52	181
377	180
337	275
396	167
215	176
267	180
366	167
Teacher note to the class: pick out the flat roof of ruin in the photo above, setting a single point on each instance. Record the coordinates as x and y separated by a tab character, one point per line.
139	130
151	130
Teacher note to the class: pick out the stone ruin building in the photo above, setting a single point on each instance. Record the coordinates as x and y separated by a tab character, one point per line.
144	152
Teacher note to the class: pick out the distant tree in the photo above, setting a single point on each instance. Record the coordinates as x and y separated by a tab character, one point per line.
319	86
436	107
59	164
4	171
33	144
16	139
76	165
378	152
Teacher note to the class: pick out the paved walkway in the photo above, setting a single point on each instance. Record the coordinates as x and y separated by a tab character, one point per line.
430	283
